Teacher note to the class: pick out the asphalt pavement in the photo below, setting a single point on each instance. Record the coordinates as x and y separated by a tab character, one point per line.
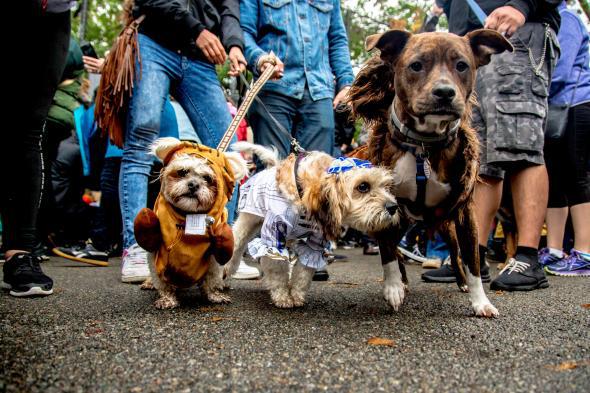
96	334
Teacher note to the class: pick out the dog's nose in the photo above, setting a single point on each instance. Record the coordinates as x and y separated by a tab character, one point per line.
192	186
444	92
391	207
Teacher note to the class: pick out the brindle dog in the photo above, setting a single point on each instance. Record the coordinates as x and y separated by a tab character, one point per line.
416	96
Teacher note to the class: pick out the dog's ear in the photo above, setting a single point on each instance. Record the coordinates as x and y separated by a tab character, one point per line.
326	205
390	43
161	147
238	164
485	43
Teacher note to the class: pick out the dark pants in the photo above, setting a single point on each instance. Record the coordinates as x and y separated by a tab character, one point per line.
567	161
310	122
106	226
42	54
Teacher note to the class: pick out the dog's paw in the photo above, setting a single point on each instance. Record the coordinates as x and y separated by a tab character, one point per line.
218	297
166	302
281	299
298	298
486	310
394	294
147	285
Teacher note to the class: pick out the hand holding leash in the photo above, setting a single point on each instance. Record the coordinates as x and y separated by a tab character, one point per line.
269	60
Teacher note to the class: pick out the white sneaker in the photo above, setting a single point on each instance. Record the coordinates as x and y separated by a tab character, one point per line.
245	272
134	265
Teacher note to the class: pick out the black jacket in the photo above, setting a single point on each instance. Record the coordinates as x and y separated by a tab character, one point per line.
176	24
462	20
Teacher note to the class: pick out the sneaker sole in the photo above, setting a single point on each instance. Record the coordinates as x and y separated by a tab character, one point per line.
444	280
59	253
411	255
134	279
245	276
585	274
33	291
447	280
540	285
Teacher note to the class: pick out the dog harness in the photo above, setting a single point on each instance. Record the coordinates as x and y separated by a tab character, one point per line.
409	140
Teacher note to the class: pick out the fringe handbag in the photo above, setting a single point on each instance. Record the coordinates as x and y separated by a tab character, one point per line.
557	116
116	83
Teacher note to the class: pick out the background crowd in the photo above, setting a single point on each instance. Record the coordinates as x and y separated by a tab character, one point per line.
72	192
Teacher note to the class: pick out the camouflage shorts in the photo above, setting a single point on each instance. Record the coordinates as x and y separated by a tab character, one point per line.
510	118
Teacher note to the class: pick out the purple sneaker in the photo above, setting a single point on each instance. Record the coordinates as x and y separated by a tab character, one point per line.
573	266
546	258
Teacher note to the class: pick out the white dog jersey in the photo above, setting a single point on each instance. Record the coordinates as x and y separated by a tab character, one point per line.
284	225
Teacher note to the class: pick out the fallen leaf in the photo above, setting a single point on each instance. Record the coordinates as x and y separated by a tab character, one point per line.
569	365
499	293
587	305
381	341
216	319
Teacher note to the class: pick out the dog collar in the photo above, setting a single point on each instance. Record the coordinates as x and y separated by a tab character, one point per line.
413	137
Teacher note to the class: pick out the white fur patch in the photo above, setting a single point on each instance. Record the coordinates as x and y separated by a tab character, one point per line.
479	301
394	289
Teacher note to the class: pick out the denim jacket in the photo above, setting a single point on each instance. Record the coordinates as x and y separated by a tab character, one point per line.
309	38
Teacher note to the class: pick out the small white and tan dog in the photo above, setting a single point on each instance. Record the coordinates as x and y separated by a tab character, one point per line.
299	205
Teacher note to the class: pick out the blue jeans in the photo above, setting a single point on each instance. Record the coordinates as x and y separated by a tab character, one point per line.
310	122
195	86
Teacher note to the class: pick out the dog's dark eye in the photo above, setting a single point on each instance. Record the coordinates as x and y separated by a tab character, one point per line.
363	188
462	66
208	179
182	172
416	66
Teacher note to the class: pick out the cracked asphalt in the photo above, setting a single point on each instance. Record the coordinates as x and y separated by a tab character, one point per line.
96	334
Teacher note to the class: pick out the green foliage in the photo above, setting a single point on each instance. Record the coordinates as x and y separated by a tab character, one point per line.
365	17
104	24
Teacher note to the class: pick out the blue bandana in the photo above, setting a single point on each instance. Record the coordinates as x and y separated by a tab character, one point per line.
343	164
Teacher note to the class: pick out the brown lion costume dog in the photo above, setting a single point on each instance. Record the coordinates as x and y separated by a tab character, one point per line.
199	181
416	96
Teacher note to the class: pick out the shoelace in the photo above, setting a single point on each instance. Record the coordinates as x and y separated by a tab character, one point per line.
417	251
515	266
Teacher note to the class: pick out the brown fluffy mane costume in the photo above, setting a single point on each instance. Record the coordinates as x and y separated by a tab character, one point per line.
457	164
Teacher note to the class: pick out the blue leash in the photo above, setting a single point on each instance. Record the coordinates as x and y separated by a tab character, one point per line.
481	16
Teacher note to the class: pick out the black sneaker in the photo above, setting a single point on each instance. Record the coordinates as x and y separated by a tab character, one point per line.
321	275
446	273
23	277
522	273
86	254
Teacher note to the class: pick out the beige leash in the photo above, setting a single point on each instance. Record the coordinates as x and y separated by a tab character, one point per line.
254	90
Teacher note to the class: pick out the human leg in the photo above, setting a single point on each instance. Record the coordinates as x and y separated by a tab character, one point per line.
266	132
143	126
22	159
201	96
314	124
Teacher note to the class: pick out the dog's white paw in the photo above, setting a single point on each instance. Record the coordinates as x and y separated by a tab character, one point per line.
218	297
166	302
281	299
394	294
147	285
486	310
298	298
